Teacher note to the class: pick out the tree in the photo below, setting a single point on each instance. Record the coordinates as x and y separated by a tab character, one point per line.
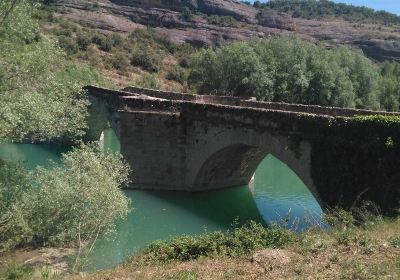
68	204
288	69
40	96
230	70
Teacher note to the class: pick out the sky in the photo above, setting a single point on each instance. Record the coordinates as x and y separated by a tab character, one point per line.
392	6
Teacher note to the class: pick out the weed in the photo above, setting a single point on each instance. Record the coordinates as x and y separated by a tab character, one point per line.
18	271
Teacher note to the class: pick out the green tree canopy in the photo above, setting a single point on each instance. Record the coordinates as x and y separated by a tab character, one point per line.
287	69
40	96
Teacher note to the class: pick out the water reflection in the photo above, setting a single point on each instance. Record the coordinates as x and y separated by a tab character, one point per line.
275	192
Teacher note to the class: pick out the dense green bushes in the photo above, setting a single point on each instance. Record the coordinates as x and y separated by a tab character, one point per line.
65	205
147	59
290	70
40	96
238	241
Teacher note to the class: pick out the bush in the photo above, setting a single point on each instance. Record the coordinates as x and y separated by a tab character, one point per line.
106	44
14	182
16	271
98	39
176	73
186	14
222	20
70	204
68	44
238	241
83	41
119	61
148	81
117	39
147	59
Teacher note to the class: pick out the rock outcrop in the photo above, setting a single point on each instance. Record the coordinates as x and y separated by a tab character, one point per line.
182	21
274	19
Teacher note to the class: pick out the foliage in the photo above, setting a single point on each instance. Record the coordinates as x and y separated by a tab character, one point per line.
106	44
186	14
40	95
236	242
233	69
119	61
16	21
148	81
176	73
15	271
14	182
68	44
83	40
71	203
148	59
222	20
315	9
290	70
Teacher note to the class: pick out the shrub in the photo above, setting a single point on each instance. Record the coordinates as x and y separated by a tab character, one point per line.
222	20
83	41
107	44
63	32
147	59
119	61
186	14
238	241
148	81
16	271
72	203
14	182
98	39
68	44
176	73
117	39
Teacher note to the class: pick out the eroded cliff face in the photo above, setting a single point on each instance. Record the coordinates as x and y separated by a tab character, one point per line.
168	20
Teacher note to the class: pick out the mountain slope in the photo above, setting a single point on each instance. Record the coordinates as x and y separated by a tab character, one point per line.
214	22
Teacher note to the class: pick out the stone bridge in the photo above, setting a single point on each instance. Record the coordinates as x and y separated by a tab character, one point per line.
185	142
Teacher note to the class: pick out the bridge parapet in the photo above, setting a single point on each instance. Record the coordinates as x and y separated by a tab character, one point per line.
130	99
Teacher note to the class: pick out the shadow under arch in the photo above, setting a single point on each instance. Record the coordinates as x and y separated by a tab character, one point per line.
236	164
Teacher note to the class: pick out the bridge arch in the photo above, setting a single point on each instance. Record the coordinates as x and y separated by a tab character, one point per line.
234	164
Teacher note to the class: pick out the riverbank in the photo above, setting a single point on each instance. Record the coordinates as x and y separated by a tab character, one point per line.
370	251
349	250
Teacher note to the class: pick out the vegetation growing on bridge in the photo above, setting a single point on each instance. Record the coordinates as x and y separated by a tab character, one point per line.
371	144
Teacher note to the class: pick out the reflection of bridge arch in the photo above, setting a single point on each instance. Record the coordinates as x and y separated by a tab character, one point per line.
192	143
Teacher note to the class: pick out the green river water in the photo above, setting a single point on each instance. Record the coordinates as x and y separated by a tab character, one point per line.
275	194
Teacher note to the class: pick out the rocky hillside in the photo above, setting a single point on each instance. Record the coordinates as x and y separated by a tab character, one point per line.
213	22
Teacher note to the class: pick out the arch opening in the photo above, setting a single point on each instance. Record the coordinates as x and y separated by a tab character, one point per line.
236	164
281	195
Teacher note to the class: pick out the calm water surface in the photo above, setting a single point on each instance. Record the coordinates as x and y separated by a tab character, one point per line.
275	194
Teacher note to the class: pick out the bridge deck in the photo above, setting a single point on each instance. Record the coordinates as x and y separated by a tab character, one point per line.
133	98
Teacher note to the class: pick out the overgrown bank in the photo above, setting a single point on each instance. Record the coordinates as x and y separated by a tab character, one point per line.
359	245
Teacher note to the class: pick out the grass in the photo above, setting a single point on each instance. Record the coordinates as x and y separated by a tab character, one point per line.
355	247
358	245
